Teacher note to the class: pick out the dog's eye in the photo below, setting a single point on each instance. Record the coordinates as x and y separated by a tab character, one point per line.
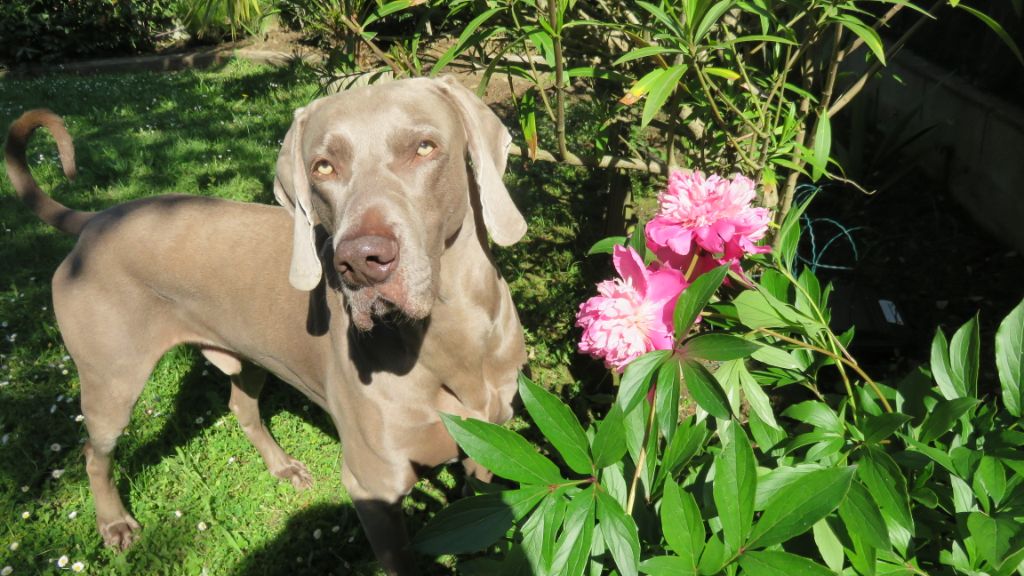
323	168
425	148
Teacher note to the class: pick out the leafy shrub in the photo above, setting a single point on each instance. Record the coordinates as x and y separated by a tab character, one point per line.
56	30
217	19
795	462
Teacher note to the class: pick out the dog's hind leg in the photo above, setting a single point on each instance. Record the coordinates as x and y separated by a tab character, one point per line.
107	403
247	381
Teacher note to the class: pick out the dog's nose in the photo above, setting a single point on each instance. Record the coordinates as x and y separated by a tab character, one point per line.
366	260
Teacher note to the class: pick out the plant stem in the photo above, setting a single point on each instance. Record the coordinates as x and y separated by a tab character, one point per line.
553	18
836	357
641	462
862	81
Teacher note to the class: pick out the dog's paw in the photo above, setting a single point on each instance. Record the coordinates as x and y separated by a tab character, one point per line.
121	533
296	473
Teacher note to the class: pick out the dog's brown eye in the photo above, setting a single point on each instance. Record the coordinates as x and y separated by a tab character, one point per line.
425	148
323	168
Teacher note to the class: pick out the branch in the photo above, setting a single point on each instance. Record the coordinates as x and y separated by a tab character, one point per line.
617	162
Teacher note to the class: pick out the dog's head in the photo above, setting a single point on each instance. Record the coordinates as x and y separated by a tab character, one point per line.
384	170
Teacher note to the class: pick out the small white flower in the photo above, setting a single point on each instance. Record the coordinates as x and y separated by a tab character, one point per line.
317	534
231	460
26	515
78	567
14	546
59	396
24	488
55	447
73	514
63	561
64	372
199	420
57	473
53	408
202	526
6	571
335	529
177	513
79	418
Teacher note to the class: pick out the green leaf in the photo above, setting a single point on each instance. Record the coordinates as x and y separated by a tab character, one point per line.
941	418
609	444
670	23
705	389
940	367
992	536
770	563
817	414
888	487
878	428
710	18
789	235
990	479
620	534
688	440
756	310
464	37
829	546
722	73
865	32
682	525
964	358
719	347
695	298
641	87
635	380
666	566
474	523
998	29
735	486
1010	359
666	399
659	91
862	519
756	397
772	356
645	52
558	424
501	451
606	245
573	549
822	146
798	506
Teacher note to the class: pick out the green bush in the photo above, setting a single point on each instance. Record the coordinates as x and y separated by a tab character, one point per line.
57	30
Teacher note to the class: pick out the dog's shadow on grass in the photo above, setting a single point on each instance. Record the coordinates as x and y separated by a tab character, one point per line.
201	400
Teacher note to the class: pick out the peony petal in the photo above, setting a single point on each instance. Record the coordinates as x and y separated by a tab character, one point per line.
630	267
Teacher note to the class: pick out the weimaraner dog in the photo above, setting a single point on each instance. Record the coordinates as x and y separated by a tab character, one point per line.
373	291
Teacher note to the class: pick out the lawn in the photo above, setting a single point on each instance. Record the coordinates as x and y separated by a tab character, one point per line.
188	473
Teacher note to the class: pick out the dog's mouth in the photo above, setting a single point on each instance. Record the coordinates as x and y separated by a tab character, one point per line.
392	300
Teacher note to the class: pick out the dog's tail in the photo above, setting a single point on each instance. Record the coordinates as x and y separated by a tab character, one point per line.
49	210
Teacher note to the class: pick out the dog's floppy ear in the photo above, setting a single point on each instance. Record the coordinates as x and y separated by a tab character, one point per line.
291	188
488	141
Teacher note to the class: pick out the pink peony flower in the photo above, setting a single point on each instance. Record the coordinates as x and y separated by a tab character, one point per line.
633	314
711	213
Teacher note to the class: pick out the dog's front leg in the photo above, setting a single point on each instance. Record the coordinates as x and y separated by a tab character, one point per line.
384	524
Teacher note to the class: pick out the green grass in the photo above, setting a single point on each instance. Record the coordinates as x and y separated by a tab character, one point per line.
184	459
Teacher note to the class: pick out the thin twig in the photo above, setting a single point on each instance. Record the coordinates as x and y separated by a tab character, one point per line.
617	162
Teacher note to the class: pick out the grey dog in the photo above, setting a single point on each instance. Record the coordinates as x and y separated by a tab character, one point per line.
373	291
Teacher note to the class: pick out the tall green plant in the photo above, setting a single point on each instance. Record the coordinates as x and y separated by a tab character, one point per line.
795	462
